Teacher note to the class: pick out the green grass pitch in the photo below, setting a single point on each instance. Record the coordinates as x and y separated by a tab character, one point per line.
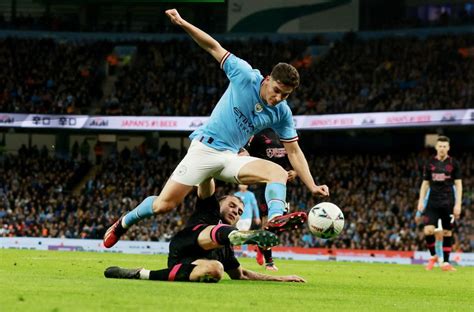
74	281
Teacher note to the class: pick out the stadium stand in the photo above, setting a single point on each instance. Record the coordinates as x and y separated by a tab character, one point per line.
377	192
48	76
177	78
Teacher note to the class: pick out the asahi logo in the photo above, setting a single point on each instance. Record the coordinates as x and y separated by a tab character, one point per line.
99	122
196	123
368	120
448	117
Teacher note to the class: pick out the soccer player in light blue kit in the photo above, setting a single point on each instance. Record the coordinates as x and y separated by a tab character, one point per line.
251	212
250	103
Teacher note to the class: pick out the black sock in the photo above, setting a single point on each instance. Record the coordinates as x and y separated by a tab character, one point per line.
220	234
267	253
430	243
159	275
447	246
179	272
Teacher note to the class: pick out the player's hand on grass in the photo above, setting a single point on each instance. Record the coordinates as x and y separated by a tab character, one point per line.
320	190
174	16
292	278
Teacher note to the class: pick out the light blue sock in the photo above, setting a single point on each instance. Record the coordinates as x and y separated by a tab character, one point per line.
275	195
142	211
439	249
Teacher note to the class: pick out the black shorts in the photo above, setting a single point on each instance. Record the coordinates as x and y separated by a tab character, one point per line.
434	212
184	247
261	202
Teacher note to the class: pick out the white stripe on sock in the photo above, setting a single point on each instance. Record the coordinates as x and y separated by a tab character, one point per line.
144	274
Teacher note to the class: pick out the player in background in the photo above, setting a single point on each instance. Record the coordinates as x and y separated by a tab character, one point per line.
266	145
202	251
251	103
250	213
442	189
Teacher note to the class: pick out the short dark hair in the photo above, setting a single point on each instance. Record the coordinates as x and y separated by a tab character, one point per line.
443	138
286	74
222	198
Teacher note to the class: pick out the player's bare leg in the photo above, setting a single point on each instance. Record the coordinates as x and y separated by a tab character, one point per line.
275	177
201	270
171	196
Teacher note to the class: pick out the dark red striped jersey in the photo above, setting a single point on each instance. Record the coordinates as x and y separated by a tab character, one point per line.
266	145
441	175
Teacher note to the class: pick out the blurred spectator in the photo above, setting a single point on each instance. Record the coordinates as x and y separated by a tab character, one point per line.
177	78
377	193
47	76
389	74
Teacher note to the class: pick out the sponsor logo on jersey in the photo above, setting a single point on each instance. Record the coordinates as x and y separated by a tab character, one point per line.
276	152
243	121
439	177
449	168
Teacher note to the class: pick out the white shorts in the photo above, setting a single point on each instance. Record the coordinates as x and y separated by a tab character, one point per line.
202	162
244	224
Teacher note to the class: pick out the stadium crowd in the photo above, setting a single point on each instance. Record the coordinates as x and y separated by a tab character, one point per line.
388	74
178	78
50	77
34	188
377	193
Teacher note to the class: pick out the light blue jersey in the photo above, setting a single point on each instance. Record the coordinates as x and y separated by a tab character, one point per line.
241	112
250	205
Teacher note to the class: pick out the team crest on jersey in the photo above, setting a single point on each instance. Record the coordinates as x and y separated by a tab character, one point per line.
258	107
449	168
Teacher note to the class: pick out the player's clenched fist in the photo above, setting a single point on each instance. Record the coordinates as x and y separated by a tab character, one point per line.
321	190
174	16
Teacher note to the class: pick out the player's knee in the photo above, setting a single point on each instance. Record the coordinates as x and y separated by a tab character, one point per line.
447	233
215	270
429	230
277	174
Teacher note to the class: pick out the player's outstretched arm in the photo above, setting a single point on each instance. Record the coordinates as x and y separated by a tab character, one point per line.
202	39
300	165
244	274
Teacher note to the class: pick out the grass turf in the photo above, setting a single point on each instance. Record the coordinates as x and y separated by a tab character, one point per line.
74	281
